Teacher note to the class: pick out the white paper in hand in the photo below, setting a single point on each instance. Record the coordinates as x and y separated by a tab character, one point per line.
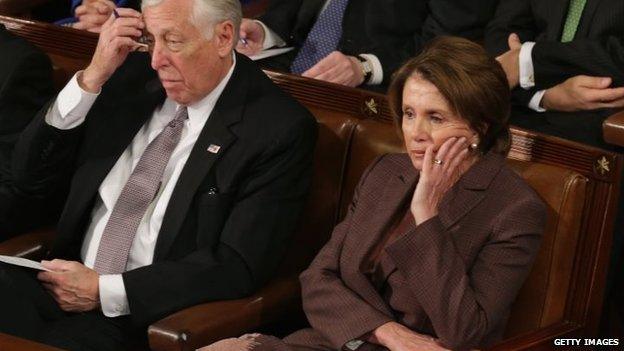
23	262
270	53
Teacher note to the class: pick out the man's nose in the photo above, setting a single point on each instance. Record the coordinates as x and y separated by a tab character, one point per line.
159	59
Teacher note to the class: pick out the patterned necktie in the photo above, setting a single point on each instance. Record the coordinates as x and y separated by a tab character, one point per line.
575	11
323	37
136	196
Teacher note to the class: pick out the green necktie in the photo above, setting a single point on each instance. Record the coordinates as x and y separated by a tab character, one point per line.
572	20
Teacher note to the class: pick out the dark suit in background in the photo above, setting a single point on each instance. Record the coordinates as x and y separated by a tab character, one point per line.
232	211
52	11
25	86
597	50
392	30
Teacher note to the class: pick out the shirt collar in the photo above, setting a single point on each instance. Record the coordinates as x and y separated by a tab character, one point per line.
199	111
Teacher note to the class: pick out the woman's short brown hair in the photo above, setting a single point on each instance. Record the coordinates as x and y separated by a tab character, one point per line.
473	83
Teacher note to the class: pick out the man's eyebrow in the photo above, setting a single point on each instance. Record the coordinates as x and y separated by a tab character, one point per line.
166	31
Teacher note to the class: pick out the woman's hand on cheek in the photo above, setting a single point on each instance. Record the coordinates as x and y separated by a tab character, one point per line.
437	176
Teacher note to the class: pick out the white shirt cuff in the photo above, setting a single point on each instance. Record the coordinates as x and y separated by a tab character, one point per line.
353	344
113	296
534	103
377	73
271	39
527	74
71	106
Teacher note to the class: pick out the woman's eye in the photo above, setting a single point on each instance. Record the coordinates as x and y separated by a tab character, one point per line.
435	119
408	114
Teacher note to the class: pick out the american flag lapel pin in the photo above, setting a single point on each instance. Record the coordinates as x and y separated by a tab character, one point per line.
214	148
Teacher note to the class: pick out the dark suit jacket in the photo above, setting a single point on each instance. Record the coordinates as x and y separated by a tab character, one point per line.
292	20
231	213
25	86
393	30
54	10
597	49
454	276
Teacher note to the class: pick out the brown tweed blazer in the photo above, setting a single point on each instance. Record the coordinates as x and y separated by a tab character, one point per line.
453	277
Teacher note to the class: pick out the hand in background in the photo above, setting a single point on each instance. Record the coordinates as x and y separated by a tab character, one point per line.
72	285
583	93
511	60
337	68
116	41
436	178
251	37
397	337
92	14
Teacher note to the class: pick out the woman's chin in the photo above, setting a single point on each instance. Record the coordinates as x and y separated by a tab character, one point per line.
417	162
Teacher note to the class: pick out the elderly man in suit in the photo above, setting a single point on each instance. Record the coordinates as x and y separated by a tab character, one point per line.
187	179
357	43
565	61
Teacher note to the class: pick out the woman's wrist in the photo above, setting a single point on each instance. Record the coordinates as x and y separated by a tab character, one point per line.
423	213
385	334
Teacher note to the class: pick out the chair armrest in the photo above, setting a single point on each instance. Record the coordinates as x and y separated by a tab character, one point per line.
613	129
33	245
13	343
203	324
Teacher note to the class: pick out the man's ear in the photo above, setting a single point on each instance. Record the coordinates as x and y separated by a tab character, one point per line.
224	36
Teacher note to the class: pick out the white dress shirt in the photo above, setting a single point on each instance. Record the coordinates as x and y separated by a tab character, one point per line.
69	111
527	75
272	39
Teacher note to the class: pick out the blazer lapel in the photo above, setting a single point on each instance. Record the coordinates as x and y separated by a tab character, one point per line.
311	9
558	12
468	192
587	19
216	131
398	189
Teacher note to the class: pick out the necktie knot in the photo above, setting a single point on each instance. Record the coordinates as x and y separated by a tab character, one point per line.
180	116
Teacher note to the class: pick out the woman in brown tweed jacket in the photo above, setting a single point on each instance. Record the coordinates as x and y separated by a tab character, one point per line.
438	241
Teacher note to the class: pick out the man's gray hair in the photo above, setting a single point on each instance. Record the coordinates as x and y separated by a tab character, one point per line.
208	13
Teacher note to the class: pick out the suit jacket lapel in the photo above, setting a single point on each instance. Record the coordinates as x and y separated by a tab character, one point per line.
468	192
462	198
311	9
587	18
227	111
559	10
398	190
116	132
306	17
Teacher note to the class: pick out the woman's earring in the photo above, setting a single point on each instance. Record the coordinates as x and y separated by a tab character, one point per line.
473	146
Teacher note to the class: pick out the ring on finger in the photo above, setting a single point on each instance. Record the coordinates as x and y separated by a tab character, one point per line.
437	161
